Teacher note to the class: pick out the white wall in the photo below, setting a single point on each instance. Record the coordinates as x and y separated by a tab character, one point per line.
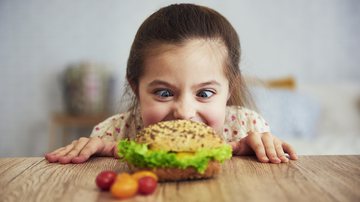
316	41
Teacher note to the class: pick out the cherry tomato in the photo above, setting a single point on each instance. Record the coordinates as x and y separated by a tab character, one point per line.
140	174
147	185
105	179
124	187
122	176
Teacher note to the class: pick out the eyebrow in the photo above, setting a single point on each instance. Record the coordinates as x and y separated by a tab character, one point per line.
208	83
160	82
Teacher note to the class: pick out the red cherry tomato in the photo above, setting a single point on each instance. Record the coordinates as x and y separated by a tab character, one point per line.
105	179
147	185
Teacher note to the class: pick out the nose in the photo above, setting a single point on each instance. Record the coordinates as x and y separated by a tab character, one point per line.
184	109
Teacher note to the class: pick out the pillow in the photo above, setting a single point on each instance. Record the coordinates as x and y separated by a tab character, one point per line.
289	113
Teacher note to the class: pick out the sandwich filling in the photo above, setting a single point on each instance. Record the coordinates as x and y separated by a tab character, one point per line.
139	155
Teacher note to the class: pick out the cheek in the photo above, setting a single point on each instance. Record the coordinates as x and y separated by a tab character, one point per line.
214	114
151	115
150	111
214	118
217	123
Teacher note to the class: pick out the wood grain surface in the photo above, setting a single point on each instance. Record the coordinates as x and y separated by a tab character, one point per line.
310	178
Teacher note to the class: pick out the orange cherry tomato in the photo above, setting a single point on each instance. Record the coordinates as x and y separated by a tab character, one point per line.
145	173
122	176
125	187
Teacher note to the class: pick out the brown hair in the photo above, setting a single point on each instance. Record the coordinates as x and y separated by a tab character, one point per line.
177	23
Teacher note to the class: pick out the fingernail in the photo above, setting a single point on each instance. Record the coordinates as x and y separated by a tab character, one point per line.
284	159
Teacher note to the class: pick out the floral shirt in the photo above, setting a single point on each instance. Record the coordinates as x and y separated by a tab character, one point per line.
238	122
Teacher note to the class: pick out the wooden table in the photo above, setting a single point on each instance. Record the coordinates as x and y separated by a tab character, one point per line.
311	178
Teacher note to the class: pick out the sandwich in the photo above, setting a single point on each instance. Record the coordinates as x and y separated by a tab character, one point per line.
176	150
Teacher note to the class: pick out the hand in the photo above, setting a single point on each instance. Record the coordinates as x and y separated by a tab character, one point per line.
267	148
80	150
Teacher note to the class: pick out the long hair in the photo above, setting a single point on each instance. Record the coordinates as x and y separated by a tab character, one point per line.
175	24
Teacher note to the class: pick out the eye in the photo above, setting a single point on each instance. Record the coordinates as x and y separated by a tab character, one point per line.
163	93
205	93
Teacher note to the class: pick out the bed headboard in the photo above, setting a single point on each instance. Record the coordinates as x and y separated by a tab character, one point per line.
289	112
287	82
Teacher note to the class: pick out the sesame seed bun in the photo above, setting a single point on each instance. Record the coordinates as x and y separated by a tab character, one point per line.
179	136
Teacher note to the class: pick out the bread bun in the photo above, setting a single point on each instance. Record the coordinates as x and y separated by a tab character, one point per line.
183	138
179	136
177	174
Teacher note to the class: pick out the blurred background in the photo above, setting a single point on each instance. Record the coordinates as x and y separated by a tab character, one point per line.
301	58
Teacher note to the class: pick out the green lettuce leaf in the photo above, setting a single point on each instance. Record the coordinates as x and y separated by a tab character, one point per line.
139	155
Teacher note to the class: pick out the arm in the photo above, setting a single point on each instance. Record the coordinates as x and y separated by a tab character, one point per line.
80	150
267	148
102	142
253	136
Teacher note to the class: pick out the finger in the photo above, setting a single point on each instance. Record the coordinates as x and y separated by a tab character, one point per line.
241	147
51	156
74	151
54	156
268	142
57	150
280	151
235	146
290	150
116	152
255	142
78	147
67	149
110	149
94	145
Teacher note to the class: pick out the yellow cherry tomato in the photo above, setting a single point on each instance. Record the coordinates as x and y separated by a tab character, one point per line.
125	187
145	173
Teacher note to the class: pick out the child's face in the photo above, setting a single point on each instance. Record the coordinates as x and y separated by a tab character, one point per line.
185	82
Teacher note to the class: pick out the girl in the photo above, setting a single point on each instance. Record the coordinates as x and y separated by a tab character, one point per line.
184	64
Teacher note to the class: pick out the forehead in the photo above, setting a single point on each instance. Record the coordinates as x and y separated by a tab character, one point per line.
201	54
214	46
